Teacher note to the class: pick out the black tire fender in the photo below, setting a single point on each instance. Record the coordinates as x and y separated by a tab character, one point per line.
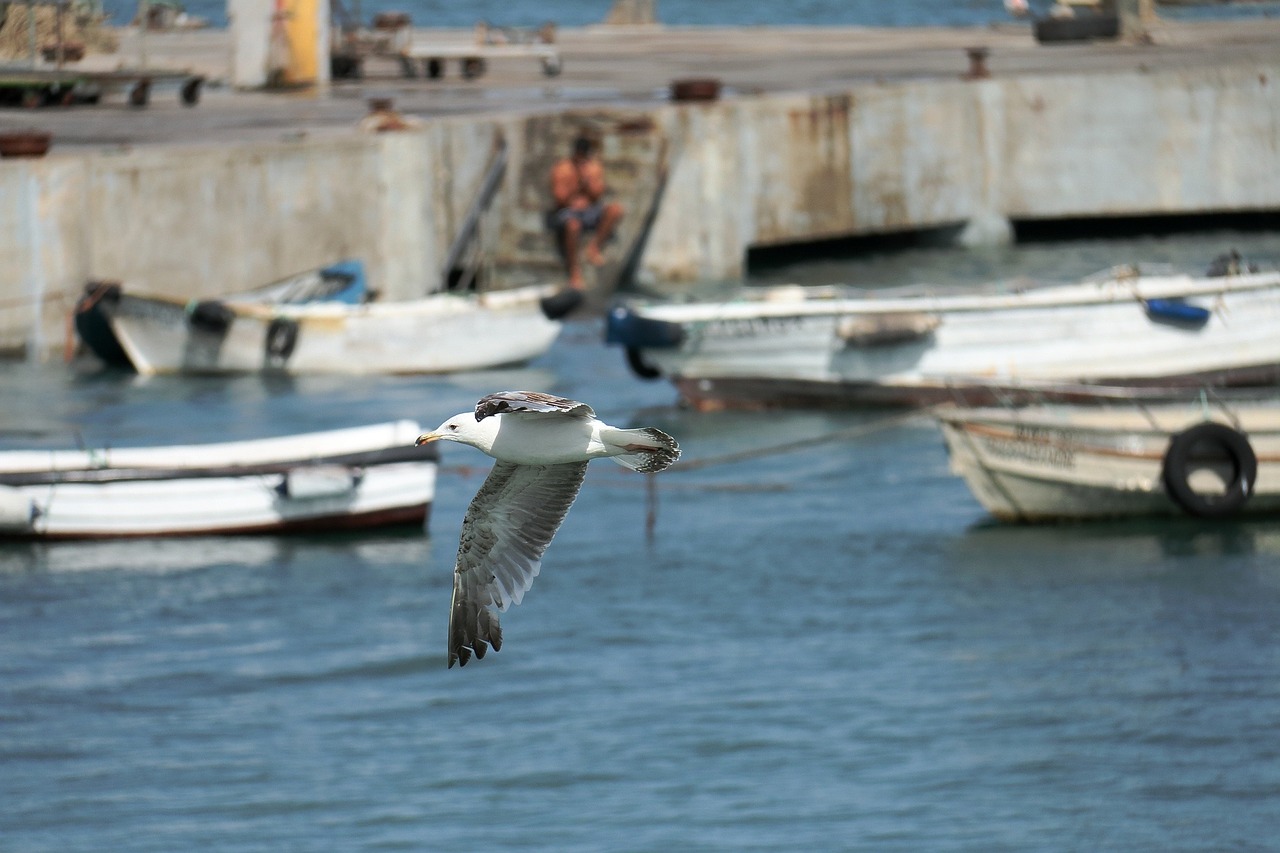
640	366
140	93
211	316
561	304
282	337
1179	462
189	93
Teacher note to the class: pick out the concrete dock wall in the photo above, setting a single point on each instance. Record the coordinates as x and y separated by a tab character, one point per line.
744	171
751	172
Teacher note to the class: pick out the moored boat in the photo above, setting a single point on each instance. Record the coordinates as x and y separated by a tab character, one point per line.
438	333
360	477
834	345
94	313
1119	455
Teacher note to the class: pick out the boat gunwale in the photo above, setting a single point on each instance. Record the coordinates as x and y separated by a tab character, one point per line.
1000	425
512	298
138	473
1088	292
1144	421
298	449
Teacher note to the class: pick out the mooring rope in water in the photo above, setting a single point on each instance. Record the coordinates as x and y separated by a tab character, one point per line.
752	454
859	431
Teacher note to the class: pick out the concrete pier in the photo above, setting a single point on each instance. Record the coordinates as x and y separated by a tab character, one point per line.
818	133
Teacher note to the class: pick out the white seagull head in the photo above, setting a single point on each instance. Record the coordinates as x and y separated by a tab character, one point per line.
465	429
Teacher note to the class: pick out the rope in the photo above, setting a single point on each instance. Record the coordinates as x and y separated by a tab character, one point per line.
801	444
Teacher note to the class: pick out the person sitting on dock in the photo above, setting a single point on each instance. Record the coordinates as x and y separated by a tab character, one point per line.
578	187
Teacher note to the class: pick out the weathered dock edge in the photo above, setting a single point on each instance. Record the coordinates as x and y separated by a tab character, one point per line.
743	171
930	153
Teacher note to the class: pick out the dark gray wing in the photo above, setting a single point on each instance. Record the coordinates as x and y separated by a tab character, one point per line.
530	402
507	528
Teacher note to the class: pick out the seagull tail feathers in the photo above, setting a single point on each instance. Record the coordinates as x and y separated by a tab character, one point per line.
473	628
649	450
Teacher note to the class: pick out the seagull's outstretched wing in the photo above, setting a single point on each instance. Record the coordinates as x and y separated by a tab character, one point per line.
530	402
507	528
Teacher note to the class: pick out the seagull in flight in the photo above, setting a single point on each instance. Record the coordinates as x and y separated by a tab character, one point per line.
542	445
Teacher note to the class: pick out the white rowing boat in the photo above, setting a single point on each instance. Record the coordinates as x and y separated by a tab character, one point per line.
440	333
340	479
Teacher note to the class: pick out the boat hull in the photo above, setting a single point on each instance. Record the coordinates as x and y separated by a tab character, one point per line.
819	347
439	334
345	479
709	395
1076	463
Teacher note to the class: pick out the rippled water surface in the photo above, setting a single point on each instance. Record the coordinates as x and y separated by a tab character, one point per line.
824	649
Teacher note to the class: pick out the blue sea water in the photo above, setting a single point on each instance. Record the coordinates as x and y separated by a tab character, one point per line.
817	647
683	13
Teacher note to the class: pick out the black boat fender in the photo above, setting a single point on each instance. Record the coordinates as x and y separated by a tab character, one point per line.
641	366
211	316
1186	453
560	304
282	337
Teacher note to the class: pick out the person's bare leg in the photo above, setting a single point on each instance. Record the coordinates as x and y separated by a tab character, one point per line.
608	221
572	235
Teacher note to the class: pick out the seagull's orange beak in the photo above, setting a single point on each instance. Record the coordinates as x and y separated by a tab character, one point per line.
427	438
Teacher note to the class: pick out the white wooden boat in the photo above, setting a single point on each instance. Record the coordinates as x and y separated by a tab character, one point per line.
95	311
440	333
1045	462
351	478
839	345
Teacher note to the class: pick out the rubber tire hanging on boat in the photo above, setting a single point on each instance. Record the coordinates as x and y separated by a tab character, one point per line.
1180	461
639	366
211	316
282	337
140	93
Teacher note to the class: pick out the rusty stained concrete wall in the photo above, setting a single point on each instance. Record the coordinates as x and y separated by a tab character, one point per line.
794	168
41	247
922	154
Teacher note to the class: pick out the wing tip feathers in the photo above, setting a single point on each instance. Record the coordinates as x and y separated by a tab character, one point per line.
472	634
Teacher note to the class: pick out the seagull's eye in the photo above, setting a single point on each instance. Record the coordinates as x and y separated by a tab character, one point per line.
453	427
